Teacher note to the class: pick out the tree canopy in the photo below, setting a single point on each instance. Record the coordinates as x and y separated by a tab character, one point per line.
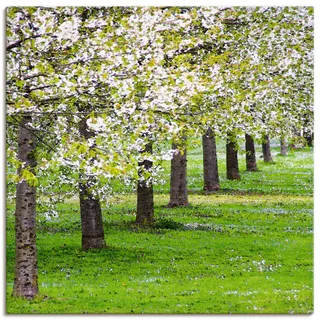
141	74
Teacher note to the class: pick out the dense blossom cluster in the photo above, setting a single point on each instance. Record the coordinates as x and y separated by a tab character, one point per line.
141	74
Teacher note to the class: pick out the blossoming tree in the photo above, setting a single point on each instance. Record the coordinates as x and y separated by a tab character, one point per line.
94	92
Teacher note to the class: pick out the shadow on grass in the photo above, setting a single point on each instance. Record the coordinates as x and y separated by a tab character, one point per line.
159	226
163	225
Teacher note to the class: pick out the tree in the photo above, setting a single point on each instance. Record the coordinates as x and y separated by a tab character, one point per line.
210	162
266	151
232	158
178	177
250	154
309	139
283	146
90	208
22	83
26	271
145	202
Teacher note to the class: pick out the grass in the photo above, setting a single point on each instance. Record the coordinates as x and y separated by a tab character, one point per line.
245	249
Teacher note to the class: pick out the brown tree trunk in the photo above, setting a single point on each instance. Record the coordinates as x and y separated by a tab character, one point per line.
90	209
210	163
283	145
178	179
266	151
232	159
309	140
26	271
145	203
250	154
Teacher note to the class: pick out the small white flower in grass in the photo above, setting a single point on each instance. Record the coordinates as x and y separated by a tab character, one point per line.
51	214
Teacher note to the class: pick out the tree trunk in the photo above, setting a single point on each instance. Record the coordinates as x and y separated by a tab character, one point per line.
210	163
145	204
178	179
232	159
90	209
295	139
26	271
308	135
250	154
266	149
309	140
283	144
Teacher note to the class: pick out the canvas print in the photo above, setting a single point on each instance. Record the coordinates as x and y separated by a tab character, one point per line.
159	160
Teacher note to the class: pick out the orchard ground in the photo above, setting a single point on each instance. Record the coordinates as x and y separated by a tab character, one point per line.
247	248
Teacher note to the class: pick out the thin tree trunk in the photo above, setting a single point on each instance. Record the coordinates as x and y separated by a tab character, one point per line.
232	159
267	157
250	154
210	163
145	203
178	179
26	271
283	145
90	209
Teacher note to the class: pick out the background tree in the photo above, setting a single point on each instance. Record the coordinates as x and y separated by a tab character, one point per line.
283	146
178	177
90	208
266	150
232	158
210	162
145	202
250	154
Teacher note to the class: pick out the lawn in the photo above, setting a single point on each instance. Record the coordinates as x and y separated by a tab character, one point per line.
246	249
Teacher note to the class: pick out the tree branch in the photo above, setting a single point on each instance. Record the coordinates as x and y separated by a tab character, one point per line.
19	42
31	131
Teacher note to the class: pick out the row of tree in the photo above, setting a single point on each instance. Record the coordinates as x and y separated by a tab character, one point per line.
211	182
92	94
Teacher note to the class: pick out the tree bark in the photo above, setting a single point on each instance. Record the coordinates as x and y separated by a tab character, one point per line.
210	163
283	145
309	139
26	271
309	136
250	154
145	203
232	159
178	179
90	209
267	157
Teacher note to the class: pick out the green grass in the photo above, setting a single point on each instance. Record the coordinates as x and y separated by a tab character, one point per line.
245	249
